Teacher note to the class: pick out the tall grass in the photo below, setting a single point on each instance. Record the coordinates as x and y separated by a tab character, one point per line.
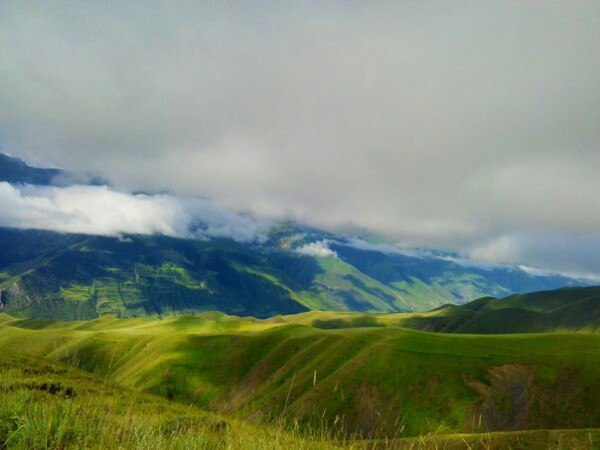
49	406
54	405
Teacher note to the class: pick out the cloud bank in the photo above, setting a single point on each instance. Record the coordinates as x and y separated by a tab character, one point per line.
454	125
102	211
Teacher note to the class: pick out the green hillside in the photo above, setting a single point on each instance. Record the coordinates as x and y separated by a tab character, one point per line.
568	309
69	277
52	275
74	409
50	405
372	382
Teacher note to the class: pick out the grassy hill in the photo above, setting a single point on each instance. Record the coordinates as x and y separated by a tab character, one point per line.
568	309
372	382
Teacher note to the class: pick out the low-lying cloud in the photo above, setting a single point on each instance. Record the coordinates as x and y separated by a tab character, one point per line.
318	249
101	210
564	254
554	252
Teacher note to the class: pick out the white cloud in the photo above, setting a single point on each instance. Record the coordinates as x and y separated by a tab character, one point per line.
319	249
103	211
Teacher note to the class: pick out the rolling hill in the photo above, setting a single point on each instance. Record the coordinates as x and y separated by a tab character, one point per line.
568	309
75	409
372	382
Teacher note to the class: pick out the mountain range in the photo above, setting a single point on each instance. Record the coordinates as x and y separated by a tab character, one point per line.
296	268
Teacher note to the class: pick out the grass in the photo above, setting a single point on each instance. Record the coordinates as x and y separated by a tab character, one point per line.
77	292
362	383
50	405
563	310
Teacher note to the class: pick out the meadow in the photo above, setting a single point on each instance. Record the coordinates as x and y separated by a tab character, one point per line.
214	380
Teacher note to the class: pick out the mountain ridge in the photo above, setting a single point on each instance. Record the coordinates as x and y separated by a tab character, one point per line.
16	171
566	309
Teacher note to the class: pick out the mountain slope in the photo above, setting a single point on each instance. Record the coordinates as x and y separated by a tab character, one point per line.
568	309
68	276
135	277
15	170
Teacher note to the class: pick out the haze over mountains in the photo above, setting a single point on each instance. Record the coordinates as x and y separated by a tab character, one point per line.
205	258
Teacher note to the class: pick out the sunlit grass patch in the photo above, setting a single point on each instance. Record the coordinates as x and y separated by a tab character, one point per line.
77	292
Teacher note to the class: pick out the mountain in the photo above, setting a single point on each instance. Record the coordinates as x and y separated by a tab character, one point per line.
568	309
16	171
71	276
295	268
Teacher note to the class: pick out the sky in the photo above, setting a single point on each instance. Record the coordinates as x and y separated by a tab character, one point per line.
464	126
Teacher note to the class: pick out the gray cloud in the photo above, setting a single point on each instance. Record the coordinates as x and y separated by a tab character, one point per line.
575	255
439	124
103	211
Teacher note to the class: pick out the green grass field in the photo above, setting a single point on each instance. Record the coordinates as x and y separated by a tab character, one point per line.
363	384
51	405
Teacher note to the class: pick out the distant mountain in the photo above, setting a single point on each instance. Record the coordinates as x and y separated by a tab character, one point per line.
69	276
16	171
568	309
297	268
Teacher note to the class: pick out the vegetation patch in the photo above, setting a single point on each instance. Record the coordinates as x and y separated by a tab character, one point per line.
353	322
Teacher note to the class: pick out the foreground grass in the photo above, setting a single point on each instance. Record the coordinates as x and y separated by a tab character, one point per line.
52	406
521	440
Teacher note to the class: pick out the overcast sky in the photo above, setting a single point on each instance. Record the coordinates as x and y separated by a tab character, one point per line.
472	126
